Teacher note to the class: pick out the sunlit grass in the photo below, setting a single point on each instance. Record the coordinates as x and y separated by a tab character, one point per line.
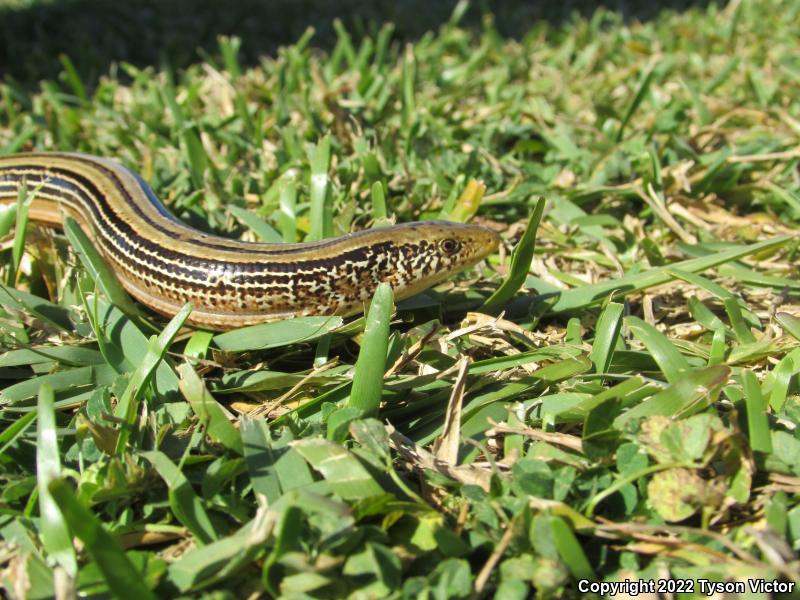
629	413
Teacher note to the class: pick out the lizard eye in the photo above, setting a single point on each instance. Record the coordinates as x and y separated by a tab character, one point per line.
450	246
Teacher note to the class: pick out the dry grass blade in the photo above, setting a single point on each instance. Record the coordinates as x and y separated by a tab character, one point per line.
446	446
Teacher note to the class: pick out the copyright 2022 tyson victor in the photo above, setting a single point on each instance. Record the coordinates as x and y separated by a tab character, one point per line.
634	587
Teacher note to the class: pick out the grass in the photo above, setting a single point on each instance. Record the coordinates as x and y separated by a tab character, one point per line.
630	414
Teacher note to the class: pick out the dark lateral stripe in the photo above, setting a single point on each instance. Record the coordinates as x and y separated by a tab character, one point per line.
111	176
193	271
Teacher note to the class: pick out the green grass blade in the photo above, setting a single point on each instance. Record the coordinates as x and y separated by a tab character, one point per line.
570	550
13	433
690	393
606	336
24	200
716	355
8	215
703	315
287	201
261	458
262	229
409	73
197	346
124	347
124	581
208	411
201	567
520	263
100	272
467	204
276	333
54	531
641	92
365	395
669	359
185	504
740	327
68	379
321	215
379	213
52	314
346	475
783	373
128	405
757	424
790	323
74	79
582	297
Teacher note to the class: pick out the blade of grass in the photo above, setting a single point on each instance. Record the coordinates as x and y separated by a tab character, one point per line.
101	272
740	328
59	381
365	395
262	229
520	263
321	212
641	92
201	567
261	458
757	424
703	315
716	355
342	470
588	295
211	415
185	504
606	336
8	215
690	393
669	359
407	85
276	333
782	374
128	405
468	202
54	315
570	550
379	214
287	202
122	578
24	200
74	79
197	346
790	323
12	434
54	531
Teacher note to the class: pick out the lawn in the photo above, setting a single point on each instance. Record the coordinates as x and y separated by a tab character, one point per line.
611	397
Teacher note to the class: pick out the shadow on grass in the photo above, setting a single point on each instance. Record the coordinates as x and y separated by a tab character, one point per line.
96	33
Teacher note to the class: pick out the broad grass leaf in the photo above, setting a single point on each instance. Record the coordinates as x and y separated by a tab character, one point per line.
669	359
365	395
208	411
344	472
276	334
606	336
692	392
